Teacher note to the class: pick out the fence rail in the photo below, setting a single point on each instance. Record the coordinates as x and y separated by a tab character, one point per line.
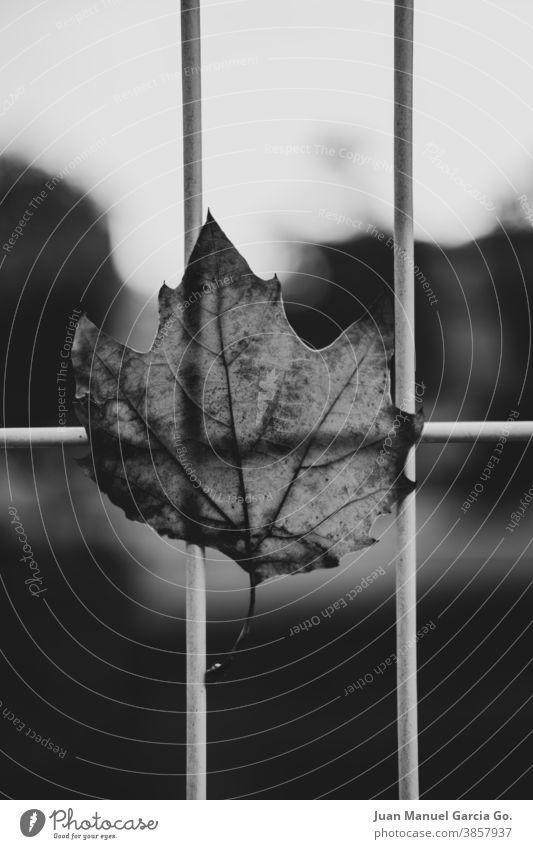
195	595
433	432
404	346
513	431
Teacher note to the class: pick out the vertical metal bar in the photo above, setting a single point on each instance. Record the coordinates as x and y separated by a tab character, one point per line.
196	666
405	395
191	64
195	602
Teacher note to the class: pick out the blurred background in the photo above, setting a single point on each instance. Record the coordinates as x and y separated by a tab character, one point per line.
298	171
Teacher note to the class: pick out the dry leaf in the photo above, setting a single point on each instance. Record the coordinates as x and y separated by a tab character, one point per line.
232	433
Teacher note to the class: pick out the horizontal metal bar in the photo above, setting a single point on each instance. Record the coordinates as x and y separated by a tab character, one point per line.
513	431
15	436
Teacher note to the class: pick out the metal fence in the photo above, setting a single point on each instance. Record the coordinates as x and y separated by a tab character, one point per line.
443	432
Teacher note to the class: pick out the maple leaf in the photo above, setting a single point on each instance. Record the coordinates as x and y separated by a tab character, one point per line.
231	432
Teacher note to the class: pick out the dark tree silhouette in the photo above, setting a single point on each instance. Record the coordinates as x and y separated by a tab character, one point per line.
55	253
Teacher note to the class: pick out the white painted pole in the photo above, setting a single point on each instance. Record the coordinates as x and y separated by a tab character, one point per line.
14	437
513	431
196	667
191	62
405	396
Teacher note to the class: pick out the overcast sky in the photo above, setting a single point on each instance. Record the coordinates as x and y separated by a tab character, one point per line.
102	79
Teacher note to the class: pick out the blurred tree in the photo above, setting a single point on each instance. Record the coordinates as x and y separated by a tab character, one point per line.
473	344
54	255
